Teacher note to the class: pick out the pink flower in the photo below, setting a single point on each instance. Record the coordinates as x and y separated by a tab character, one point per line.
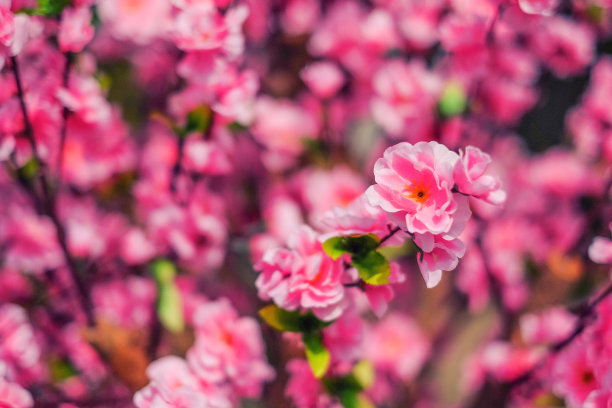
470	178
397	345
300	16
205	156
281	125
548	327
542	7
84	97
320	190
95	152
344	337
565	46
406	94
506	362
228	349
203	27
75	29
303	276
12	395
31	242
438	255
135	248
600	250
128	302
413	188
324	78
20	354
136	20
172	385
463	33
573	373
358	218
304	390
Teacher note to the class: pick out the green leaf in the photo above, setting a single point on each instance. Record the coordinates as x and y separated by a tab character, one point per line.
335	247
363	374
30	169
453	100
170	307
61	370
355	245
317	355
373	268
48	8
198	120
163	271
281	319
352	399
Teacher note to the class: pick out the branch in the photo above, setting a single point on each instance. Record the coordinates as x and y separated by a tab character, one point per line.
47	201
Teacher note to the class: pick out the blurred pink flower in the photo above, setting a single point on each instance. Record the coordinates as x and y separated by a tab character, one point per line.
172	385
12	395
600	250
323	78
228	350
303	276
406	94
31	242
304	390
397	345
542	7
75	30
548	327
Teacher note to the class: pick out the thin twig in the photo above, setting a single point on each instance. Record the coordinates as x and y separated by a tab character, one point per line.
65	113
47	201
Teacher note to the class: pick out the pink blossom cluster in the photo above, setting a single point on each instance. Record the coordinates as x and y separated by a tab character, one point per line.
305	158
225	364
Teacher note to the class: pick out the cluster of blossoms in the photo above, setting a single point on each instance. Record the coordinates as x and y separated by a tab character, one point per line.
169	167
420	189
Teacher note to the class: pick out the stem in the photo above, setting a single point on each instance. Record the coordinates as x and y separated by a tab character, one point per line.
47	202
391	233
28	129
65	113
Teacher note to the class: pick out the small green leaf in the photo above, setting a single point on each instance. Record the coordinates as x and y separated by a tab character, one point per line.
317	355
373	268
61	370
236	127
30	169
334	247
163	271
281	319
48	8
352	399
363	374
355	245
198	120
170	307
453	100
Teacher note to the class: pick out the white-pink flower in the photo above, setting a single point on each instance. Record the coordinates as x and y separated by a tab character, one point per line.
303	277
438	255
600	250
413	187
75	29
470	178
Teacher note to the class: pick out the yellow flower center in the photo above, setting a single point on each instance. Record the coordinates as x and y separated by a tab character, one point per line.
417	192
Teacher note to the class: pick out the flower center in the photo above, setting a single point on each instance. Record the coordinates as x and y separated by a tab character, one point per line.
417	192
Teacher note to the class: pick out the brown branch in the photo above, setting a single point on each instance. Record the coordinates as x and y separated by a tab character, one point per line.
47	201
